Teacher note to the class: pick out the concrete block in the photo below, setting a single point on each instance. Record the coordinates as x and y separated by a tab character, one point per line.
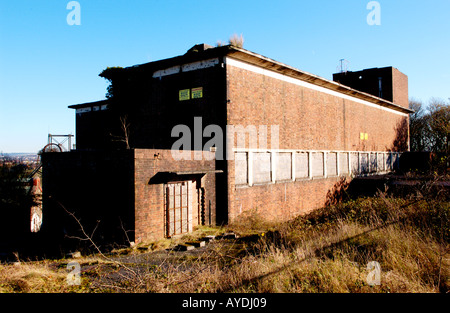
209	238
184	247
229	235
197	244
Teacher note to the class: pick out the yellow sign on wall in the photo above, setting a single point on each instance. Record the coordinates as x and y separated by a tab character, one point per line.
363	136
184	94
197	93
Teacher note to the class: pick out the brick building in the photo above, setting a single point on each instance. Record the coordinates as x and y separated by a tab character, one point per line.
293	137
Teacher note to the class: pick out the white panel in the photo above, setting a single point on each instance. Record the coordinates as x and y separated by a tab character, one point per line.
199	65
317	164
380	162
373	162
167	71
261	167
283	166
240	168
331	164
83	110
364	162
355	162
301	165
343	163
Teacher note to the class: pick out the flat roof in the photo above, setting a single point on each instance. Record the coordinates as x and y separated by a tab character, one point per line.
88	104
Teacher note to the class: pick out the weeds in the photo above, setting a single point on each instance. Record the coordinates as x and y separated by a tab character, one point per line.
236	40
325	251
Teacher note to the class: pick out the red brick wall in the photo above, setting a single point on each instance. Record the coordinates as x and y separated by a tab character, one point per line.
149	189
309	120
400	88
281	201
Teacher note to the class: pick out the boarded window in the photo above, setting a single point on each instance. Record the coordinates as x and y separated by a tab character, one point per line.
240	168
380	162
317	164
396	161
389	161
373	162
364	161
343	163
261	167
301	165
355	162
283	166
332	164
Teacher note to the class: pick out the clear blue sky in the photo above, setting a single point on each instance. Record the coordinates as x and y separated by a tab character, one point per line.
46	64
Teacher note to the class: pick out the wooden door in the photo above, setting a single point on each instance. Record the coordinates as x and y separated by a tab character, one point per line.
177	208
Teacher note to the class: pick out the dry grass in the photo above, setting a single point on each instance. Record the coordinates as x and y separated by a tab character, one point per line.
325	251
236	40
31	277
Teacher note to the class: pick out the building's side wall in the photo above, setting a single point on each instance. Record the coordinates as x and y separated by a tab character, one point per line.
94	128
280	201
309	118
151	175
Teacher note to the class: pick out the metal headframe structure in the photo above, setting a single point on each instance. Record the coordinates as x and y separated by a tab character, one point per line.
63	141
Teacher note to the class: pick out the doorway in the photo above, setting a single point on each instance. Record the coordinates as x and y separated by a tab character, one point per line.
178	208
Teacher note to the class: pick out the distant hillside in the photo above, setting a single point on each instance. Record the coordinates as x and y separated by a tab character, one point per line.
22	156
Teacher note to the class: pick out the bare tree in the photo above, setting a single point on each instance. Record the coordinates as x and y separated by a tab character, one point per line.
125	132
417	126
430	127
439	124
